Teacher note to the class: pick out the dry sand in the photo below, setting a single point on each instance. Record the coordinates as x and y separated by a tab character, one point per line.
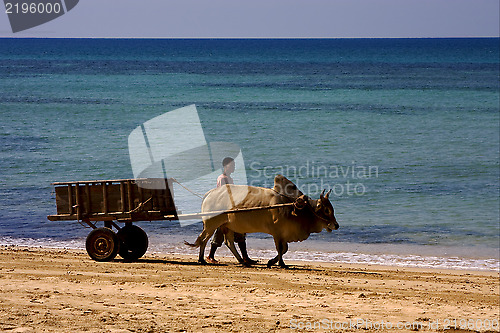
49	290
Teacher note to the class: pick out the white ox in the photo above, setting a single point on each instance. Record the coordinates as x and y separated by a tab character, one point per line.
291	223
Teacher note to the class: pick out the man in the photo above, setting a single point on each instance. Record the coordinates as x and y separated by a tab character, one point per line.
228	166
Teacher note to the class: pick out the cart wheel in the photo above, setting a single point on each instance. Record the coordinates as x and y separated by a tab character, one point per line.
134	242
102	244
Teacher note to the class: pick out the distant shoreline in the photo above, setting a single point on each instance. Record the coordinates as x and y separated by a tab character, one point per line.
363	257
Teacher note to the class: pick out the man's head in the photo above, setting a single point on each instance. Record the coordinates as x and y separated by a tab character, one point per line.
228	165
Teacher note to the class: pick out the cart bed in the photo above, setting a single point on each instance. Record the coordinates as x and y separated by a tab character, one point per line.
121	200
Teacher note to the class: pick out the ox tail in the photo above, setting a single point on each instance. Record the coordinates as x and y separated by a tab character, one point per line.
195	244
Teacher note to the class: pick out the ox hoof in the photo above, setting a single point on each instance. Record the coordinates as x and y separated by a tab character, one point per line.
245	263
202	261
250	262
282	264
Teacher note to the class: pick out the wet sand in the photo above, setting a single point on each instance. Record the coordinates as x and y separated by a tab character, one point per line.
52	290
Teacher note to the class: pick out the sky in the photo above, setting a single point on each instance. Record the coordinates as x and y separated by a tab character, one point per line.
270	19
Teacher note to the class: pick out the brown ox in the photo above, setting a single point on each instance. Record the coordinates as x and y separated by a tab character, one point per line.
291	223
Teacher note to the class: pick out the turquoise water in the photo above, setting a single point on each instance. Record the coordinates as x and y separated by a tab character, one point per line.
417	120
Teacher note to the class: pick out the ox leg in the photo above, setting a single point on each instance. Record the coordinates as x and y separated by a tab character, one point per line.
229	236
285	250
272	261
203	244
210	226
281	247
201	258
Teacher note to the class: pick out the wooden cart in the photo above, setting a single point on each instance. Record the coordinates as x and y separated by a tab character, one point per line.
125	201
111	201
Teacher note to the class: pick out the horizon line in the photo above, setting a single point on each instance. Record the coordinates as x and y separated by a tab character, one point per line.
242	38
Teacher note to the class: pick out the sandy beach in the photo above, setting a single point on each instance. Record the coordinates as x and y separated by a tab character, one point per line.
56	290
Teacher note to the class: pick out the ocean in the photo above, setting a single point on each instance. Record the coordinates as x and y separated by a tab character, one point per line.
404	131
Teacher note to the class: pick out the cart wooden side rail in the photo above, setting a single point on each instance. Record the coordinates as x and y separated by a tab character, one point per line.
120	199
126	201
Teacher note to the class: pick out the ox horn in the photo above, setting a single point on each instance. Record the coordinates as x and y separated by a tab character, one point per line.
322	193
328	193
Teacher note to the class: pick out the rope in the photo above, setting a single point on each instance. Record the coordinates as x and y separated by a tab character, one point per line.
300	207
192	192
294	203
320	217
284	195
140	206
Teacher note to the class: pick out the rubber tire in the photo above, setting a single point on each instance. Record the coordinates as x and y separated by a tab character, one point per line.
133	242
102	244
